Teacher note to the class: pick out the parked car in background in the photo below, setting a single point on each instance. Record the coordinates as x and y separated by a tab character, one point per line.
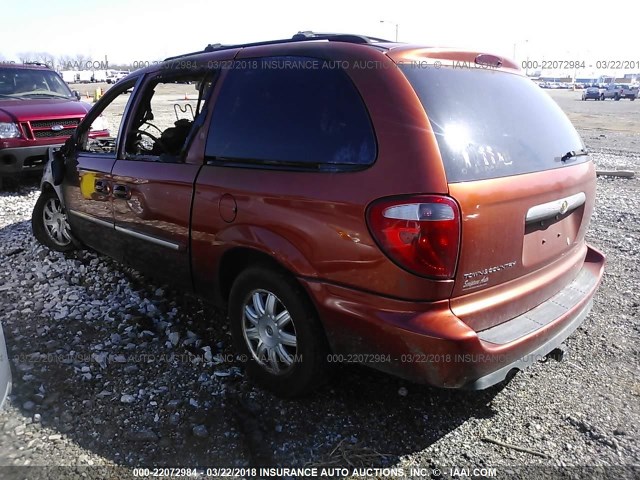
339	224
114	76
630	92
37	111
5	370
591	93
617	91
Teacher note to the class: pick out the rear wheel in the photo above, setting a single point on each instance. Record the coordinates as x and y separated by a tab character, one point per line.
49	223
276	329
602	96
617	97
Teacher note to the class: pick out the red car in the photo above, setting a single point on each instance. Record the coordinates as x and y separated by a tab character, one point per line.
37	111
419	210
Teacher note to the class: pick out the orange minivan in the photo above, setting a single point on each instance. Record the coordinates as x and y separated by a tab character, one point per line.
349	199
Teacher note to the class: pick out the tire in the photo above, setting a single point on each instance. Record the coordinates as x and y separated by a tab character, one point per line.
602	96
633	98
259	296
617	97
49	223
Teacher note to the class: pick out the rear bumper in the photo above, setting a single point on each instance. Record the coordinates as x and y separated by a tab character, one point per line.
14	161
427	343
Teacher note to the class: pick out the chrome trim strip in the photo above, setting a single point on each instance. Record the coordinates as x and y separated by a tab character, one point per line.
556	207
91	218
149	238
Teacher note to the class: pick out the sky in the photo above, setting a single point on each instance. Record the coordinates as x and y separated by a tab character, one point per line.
126	31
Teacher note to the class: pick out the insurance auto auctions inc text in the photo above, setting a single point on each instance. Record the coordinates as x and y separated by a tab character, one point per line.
376	472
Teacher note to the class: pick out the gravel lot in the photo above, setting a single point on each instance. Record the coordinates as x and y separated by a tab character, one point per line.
112	369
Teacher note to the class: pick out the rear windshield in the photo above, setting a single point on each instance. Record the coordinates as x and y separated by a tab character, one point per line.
491	124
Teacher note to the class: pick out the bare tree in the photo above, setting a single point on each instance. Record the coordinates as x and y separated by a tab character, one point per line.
41	57
25	57
81	61
65	62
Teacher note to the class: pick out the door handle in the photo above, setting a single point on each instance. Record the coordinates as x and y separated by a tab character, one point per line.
121	191
101	186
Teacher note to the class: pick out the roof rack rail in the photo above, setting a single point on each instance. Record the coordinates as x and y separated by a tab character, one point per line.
337	37
39	64
298	37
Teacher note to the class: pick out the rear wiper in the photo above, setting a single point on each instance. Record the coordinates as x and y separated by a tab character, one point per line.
573	154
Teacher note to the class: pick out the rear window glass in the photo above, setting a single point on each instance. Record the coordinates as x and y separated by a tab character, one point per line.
490	123
282	111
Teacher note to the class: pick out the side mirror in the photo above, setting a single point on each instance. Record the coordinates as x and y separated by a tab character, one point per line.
76	94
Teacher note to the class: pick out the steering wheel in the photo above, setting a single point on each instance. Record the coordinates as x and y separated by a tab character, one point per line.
156	140
151	125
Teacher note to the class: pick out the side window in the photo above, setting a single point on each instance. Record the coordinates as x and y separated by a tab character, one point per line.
164	115
102	135
272	112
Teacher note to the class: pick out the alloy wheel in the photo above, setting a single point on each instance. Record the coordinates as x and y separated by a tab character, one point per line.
55	222
269	332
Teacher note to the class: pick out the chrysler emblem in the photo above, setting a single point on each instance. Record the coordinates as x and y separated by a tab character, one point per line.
564	207
57	128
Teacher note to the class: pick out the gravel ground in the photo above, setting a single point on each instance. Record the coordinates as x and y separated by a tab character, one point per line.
113	369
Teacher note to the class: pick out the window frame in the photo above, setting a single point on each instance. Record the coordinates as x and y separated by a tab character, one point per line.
81	135
151	80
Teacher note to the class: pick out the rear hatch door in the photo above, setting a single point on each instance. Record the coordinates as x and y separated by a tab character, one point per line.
524	183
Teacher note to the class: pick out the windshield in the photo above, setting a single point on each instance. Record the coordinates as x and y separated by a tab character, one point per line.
27	83
490	123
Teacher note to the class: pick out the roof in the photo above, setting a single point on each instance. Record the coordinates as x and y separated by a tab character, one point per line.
302	36
26	65
417	55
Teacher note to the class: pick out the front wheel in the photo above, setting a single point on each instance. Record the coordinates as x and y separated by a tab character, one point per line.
602	96
49	223
276	329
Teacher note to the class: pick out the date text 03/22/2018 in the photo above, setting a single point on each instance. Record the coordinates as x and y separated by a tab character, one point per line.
574	64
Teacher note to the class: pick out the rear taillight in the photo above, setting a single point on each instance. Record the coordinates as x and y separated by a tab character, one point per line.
420	233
